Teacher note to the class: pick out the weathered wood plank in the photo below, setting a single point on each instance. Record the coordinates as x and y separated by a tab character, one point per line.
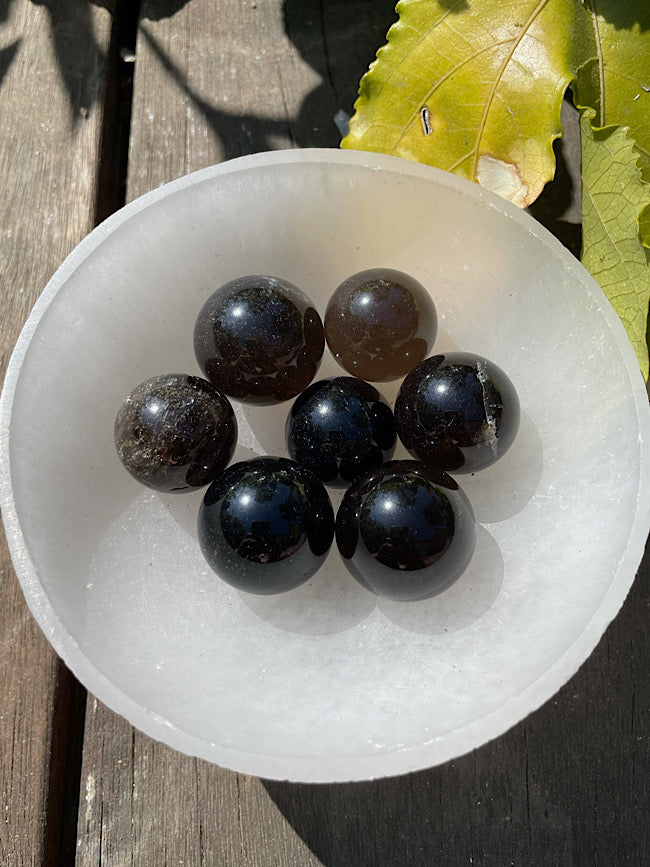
142	803
52	62
214	80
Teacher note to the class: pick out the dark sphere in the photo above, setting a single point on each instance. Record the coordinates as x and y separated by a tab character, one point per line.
457	411
266	525
340	428
259	339
380	323
405	531
175	432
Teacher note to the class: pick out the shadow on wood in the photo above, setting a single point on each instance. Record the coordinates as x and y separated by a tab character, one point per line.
335	40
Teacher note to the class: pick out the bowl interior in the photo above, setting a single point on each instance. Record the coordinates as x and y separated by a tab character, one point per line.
326	682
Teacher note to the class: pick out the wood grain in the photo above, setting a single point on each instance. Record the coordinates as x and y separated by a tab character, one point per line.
52	63
567	786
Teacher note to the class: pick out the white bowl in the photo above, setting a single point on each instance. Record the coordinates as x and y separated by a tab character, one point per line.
326	683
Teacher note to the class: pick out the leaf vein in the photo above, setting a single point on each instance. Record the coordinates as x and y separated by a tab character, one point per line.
486	110
438	84
425	34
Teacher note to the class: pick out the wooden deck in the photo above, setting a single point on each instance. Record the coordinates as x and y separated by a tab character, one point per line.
99	102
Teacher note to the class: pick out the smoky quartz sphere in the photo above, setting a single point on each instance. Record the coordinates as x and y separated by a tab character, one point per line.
340	428
175	432
259	339
380	323
405	531
265	525
458	411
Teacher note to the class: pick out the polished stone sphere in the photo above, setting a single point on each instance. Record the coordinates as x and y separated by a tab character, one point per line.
340	428
259	339
266	525
457	411
380	323
175	432
405	531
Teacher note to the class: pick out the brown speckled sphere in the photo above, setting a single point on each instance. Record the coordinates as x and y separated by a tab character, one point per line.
380	323
259	339
175	432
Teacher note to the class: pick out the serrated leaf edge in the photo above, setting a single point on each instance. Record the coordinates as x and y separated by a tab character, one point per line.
644	212
590	113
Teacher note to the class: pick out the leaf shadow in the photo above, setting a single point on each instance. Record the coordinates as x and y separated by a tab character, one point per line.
338	40
156	10
623	14
558	207
238	133
5	9
455	6
335	43
80	59
7	55
153	10
556	199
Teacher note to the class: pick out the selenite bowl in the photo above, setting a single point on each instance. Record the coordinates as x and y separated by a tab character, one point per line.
326	682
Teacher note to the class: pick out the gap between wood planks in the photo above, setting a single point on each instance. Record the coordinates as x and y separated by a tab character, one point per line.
60	842
114	150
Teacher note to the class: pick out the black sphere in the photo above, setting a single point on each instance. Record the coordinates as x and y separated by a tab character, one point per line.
457	411
259	339
340	428
175	432
266	525
405	531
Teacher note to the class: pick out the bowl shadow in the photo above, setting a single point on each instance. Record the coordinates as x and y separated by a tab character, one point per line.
501	491
462	604
324	605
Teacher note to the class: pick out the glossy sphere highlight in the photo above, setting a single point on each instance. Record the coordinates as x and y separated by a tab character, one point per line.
458	411
380	323
340	428
175	432
405	531
266	525
259	339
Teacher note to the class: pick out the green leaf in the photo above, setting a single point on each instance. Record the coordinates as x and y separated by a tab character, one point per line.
616	81
474	87
613	195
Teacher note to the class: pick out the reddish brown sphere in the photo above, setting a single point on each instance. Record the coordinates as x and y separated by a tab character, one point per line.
380	323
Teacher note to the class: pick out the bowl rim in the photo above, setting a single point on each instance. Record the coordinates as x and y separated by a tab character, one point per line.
343	768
